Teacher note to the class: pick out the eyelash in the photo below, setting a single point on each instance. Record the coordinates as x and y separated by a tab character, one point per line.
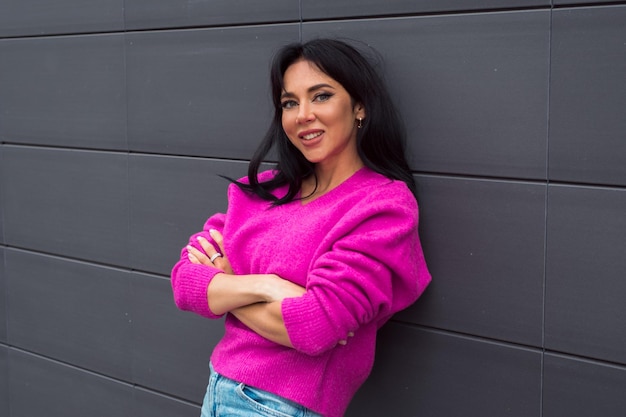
326	95
321	97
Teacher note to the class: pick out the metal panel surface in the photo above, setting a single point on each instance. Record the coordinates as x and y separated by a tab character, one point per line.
1	194
3	302
584	2
430	374
172	348
64	90
585	280
67	202
74	312
201	92
320	9
41	387
171	198
473	89
587	96
484	244
142	14
4	380
576	387
43	17
152	404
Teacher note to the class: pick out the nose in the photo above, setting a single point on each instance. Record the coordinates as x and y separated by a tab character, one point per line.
305	115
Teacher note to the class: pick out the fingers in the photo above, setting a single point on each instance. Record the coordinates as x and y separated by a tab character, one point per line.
193	258
206	246
221	262
203	257
218	238
219	256
345	341
197	256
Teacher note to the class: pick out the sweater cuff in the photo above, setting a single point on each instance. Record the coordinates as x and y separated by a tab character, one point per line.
190	285
307	327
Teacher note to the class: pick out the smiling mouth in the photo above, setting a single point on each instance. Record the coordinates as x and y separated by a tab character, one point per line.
311	135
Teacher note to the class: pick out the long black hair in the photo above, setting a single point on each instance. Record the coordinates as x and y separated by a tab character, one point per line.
381	140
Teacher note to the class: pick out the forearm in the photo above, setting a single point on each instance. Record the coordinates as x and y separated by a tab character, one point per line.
228	292
265	319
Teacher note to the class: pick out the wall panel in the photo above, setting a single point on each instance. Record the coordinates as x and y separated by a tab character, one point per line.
472	88
425	373
141	14
39	17
574	387
116	117
3	299
321	9
1	193
41	387
66	91
4	380
484	242
151	404
584	2
588	104
74	312
585	280
67	202
171	198
201	92
171	348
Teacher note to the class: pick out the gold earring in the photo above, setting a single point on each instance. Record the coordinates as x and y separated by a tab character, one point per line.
360	125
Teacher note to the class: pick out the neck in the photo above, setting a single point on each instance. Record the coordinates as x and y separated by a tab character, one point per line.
327	178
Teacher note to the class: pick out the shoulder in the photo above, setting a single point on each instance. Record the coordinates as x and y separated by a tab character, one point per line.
374	201
262	176
239	189
373	189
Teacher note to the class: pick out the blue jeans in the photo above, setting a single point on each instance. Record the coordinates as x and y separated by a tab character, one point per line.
227	398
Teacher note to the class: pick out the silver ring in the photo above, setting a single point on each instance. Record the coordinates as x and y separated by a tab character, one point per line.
215	256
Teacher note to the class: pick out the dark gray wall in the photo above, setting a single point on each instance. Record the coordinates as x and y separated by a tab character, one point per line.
116	117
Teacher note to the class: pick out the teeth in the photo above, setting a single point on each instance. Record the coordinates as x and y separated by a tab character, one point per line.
311	135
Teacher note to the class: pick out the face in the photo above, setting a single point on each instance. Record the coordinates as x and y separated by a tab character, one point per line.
319	117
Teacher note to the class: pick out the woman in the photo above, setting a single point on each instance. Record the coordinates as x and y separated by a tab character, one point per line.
313	257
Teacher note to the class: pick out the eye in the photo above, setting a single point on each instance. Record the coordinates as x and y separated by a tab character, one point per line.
288	104
322	97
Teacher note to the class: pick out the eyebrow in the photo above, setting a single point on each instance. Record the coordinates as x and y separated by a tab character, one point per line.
310	90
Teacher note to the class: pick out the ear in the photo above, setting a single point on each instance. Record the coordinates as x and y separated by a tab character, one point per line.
359	111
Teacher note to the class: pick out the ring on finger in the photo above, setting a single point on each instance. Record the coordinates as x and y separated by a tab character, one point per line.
215	256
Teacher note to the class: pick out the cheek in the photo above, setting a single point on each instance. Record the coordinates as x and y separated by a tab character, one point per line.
287	126
290	130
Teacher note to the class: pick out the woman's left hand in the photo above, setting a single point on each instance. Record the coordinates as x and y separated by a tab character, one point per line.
220	260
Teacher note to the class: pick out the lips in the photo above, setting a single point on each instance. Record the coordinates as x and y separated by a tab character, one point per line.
310	134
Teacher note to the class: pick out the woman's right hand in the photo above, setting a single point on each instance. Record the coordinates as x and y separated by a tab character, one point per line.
198	257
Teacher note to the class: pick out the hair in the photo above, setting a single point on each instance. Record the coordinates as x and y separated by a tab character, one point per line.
381	141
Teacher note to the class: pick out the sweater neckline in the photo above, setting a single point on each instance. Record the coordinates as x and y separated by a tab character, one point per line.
358	173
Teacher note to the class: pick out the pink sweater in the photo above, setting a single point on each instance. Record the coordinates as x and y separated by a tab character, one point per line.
356	250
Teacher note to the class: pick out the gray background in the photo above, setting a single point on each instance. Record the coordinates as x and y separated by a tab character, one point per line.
117	115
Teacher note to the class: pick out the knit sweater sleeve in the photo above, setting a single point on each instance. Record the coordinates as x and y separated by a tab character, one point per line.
374	268
190	281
